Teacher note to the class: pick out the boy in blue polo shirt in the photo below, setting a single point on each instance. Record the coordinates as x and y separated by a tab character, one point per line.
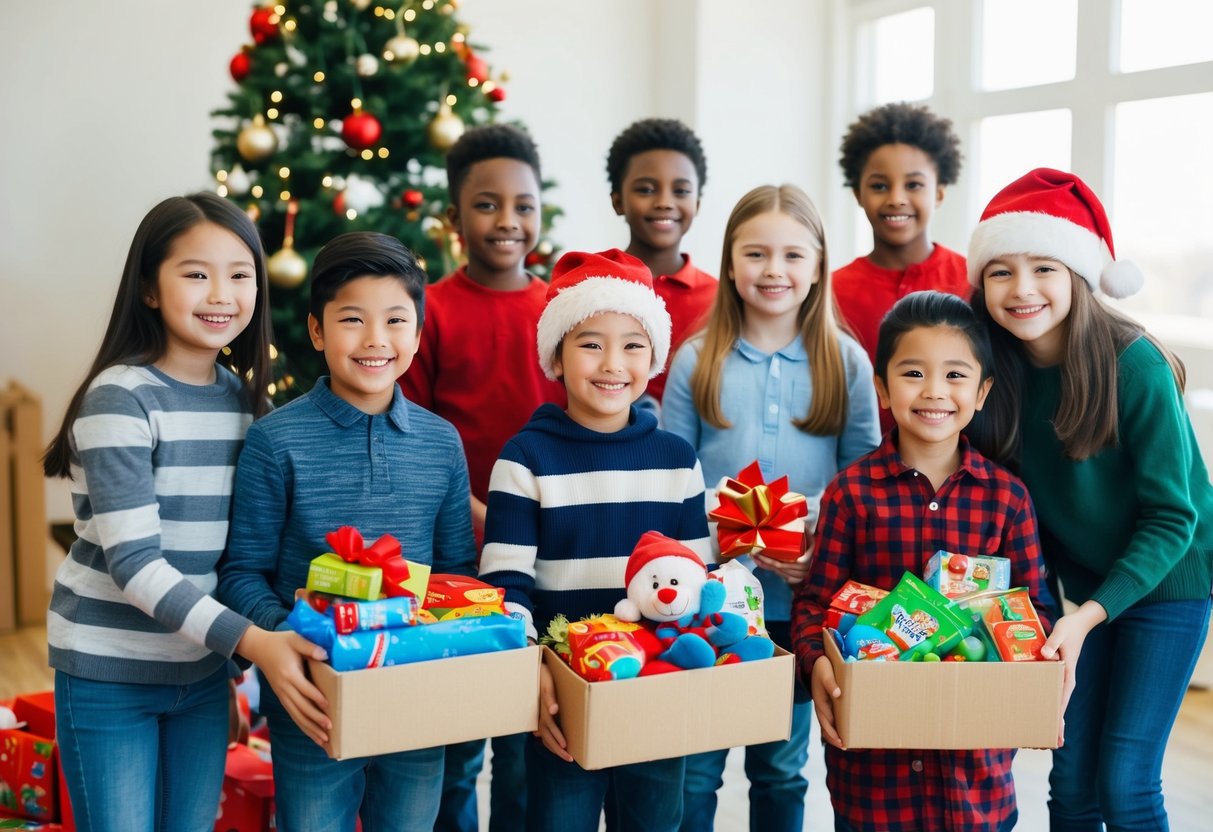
355	452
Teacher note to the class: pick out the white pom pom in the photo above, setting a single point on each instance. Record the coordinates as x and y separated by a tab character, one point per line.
1121	278
626	610
8	719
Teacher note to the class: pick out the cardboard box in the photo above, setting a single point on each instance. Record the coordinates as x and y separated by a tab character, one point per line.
673	714
420	705
947	704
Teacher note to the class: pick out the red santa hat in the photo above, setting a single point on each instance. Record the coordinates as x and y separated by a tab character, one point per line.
653	545
1050	213
584	285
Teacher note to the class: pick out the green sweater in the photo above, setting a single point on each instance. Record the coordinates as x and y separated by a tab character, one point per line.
1133	523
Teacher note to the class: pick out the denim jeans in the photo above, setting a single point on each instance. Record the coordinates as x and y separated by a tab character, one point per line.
1131	678
564	797
138	758
458	811
317	794
777	787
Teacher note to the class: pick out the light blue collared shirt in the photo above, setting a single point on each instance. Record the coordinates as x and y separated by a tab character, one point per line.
760	394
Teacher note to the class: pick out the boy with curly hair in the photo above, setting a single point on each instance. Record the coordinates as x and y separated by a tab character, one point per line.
657	170
897	159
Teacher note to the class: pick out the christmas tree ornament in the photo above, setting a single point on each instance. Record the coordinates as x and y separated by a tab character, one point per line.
256	141
412	197
241	65
360	129
263	24
238	182
401	50
445	128
477	69
286	268
339	204
366	65
254	211
496	94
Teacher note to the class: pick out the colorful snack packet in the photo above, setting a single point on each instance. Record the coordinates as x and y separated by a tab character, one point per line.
918	619
353	616
853	600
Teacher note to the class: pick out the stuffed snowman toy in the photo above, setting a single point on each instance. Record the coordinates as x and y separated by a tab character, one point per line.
667	585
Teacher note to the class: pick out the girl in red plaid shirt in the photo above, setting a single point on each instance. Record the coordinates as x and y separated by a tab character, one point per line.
924	489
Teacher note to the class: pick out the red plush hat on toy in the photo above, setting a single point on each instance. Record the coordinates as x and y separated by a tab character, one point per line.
584	285
1051	213
653	545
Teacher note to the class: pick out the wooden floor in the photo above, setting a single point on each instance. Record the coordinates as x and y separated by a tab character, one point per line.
1187	771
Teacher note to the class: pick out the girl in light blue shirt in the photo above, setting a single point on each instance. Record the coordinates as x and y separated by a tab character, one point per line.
773	377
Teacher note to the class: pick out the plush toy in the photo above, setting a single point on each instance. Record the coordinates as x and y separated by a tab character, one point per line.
667	586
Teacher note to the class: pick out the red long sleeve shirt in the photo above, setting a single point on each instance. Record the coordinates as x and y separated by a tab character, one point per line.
688	294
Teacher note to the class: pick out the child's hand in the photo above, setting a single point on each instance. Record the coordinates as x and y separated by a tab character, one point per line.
1066	640
279	656
792	572
825	690
549	730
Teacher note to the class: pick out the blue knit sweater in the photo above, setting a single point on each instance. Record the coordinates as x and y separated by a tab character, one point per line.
567	505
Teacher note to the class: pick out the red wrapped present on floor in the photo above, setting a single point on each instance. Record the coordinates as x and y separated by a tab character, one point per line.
247	801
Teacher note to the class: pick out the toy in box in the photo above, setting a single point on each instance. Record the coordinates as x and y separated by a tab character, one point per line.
955	575
850	602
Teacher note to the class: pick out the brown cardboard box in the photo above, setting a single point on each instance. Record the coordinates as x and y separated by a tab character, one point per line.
23	531
673	714
408	706
946	704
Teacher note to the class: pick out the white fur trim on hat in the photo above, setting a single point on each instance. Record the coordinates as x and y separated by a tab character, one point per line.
592	296
1043	235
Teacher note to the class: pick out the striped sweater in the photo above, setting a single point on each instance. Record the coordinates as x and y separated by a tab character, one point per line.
152	466
567	505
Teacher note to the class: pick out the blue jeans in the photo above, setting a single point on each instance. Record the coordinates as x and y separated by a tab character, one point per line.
317	794
1131	678
507	787
142	757
777	787
458	811
564	797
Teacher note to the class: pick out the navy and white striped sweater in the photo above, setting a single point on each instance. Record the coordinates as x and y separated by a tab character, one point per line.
567	505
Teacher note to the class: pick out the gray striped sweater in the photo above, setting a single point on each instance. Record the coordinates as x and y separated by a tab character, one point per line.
152	466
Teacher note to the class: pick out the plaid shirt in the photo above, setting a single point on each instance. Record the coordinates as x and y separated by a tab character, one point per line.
880	519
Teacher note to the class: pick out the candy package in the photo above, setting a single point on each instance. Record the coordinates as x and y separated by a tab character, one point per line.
850	602
603	648
458	596
743	594
917	620
955	575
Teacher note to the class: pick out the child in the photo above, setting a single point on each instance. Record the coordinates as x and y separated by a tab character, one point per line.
897	160
480	324
657	171
353	451
773	379
924	489
1091	408
572	494
140	648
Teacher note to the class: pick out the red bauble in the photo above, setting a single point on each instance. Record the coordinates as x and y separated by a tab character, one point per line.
412	198
534	258
496	94
477	68
264	24
339	204
240	66
361	130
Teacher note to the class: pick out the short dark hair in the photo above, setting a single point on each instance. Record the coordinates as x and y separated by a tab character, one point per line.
900	123
364	254
931	309
654	134
489	141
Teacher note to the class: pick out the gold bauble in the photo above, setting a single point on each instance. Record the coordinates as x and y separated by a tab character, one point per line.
401	50
286	268
445	129
256	141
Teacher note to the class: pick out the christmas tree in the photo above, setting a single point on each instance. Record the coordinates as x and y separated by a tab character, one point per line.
340	121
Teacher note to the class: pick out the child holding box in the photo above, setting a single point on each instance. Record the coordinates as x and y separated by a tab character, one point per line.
924	489
353	451
569	498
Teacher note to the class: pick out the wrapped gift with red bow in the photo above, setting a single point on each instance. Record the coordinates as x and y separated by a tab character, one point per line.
355	570
759	517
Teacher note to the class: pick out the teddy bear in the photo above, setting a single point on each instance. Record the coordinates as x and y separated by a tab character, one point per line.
668	587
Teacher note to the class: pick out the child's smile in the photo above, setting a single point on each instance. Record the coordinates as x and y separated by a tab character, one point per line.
604	362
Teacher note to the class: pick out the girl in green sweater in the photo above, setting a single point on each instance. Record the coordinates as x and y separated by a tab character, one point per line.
1089	409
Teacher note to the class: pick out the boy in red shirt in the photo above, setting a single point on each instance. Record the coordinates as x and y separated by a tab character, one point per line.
476	367
897	160
657	170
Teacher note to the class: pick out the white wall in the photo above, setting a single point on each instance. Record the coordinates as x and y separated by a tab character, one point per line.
107	108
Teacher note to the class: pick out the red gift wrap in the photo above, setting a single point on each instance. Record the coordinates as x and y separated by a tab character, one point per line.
384	553
759	517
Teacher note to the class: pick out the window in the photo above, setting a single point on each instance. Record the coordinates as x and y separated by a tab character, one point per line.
1121	92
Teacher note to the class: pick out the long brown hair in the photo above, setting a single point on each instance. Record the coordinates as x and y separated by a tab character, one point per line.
135	334
817	319
1087	417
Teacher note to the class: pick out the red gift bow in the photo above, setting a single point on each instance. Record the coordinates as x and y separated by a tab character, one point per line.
384	553
754	516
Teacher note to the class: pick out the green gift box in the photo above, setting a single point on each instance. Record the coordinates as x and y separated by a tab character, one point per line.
329	573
